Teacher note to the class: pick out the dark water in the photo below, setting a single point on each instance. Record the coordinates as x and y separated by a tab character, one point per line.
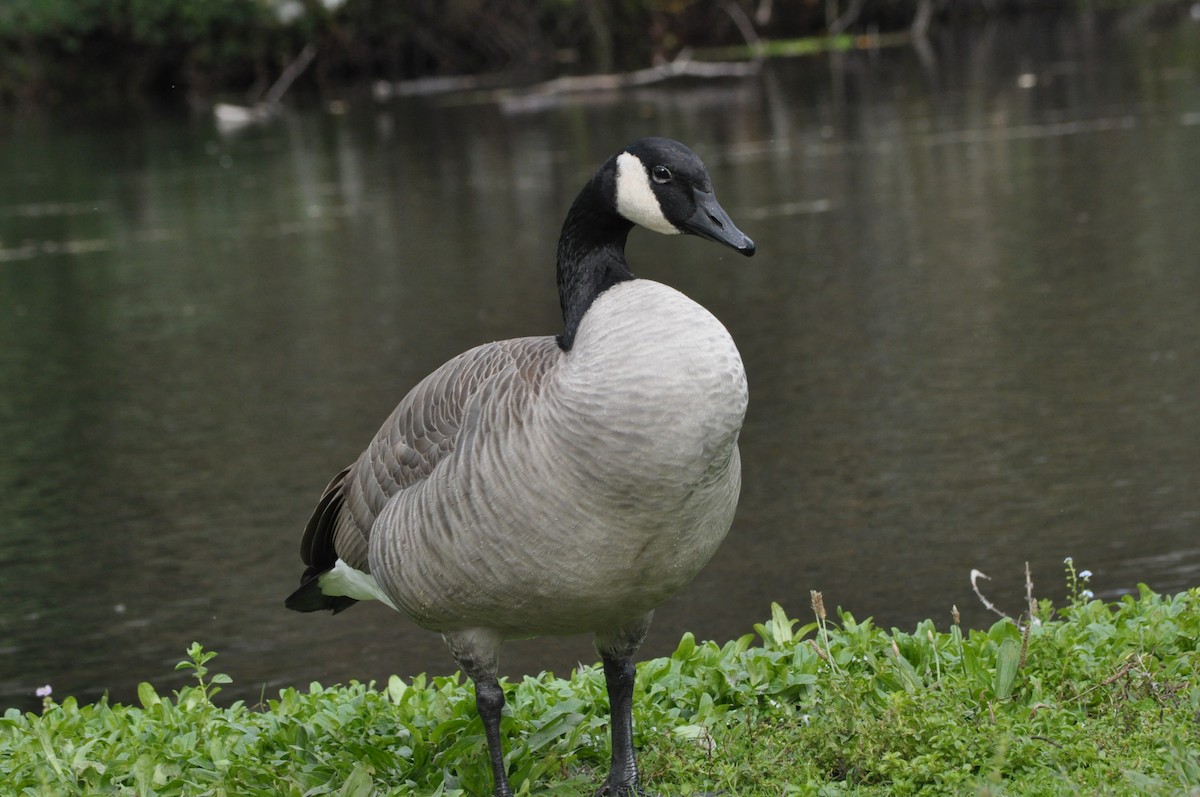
972	333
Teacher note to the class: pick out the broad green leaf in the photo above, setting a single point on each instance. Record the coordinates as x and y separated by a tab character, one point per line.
687	646
1007	660
358	782
147	695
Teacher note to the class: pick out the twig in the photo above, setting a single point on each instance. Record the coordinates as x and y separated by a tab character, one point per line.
1024	645
1121	672
1032	617
847	18
289	75
745	27
1029	593
987	604
920	23
232	117
1046	739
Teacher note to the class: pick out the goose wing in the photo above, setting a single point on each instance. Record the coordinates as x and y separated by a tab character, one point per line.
421	432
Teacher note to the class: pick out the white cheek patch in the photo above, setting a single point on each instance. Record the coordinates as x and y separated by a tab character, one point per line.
635	197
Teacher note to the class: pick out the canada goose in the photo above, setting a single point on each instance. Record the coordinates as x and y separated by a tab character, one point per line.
557	484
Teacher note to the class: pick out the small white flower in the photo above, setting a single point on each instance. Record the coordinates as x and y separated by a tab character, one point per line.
1085	574
1087	593
44	691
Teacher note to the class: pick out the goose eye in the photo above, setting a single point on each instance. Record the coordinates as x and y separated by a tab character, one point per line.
661	174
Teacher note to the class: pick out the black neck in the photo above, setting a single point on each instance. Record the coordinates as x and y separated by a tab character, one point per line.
591	255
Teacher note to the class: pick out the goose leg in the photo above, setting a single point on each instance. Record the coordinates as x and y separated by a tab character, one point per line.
477	653
616	650
489	702
622	778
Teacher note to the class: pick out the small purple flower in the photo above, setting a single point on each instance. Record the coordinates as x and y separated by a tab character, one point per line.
44	691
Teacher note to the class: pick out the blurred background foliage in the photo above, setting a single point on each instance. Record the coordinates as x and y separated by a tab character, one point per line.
54	51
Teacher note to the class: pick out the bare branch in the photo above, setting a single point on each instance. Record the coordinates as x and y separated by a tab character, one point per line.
744	26
293	71
848	17
987	604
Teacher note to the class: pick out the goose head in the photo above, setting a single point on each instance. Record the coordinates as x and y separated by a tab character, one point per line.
654	183
663	186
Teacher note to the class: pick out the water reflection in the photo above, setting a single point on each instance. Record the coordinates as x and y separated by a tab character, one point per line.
970	335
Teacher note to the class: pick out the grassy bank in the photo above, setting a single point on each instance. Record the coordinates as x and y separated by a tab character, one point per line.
1094	699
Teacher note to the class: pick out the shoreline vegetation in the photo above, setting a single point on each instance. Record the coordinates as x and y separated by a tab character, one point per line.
1092	698
106	52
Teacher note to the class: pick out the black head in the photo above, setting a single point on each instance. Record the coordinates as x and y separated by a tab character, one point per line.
661	185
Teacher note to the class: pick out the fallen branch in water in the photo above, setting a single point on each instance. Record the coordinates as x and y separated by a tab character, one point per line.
539	93
234	116
682	67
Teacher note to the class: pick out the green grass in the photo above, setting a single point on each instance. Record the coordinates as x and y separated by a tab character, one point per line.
1100	699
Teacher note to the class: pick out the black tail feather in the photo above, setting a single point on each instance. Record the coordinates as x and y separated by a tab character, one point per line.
318	552
316	546
309	598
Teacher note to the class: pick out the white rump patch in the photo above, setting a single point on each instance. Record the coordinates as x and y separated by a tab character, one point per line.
635	198
345	580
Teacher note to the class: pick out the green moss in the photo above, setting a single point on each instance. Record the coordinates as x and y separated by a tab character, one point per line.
1099	700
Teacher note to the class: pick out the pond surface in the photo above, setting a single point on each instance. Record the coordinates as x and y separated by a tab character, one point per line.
972	333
